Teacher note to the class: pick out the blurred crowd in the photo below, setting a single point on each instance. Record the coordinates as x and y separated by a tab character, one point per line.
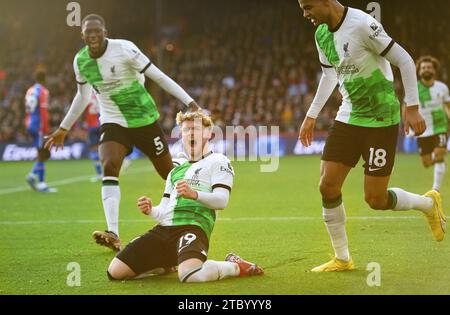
248	62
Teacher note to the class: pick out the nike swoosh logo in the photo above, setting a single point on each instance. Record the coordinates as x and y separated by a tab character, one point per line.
374	169
159	153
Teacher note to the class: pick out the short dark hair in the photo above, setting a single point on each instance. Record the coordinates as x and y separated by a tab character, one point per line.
92	17
39	76
434	61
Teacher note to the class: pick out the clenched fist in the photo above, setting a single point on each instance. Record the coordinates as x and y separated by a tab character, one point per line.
145	205
185	191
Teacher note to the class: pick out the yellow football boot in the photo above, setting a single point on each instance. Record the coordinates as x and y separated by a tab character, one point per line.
436	216
335	265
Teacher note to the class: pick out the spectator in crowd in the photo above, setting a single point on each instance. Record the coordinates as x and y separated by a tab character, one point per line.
247	62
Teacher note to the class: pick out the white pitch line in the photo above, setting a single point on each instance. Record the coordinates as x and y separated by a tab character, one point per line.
67	181
358	218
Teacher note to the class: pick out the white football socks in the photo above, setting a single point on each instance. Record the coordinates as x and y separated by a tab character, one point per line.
439	173
335	222
111	202
404	200
212	270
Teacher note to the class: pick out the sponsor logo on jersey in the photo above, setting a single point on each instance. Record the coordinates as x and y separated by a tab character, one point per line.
346	52
107	87
228	169
378	30
194	181
374	26
345	70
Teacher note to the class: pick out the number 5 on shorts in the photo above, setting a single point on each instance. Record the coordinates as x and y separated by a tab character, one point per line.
158	144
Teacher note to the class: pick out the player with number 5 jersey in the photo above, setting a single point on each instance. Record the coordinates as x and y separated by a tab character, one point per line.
356	52
116	70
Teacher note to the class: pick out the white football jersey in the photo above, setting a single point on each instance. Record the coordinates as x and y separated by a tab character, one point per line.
356	50
118	79
213	170
432	102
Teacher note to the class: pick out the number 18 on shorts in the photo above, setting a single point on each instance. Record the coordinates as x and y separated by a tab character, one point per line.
347	143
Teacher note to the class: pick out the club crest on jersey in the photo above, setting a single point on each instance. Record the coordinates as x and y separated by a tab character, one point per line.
197	172
194	181
346	52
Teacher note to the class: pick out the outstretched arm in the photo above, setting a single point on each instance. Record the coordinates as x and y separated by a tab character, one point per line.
142	64
170	86
79	104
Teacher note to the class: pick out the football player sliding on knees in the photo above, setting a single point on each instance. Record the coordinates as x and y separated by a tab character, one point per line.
186	215
116	70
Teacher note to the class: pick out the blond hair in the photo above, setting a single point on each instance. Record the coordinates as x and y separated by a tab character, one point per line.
191	116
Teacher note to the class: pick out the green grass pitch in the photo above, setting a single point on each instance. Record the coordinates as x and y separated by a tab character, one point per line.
273	219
